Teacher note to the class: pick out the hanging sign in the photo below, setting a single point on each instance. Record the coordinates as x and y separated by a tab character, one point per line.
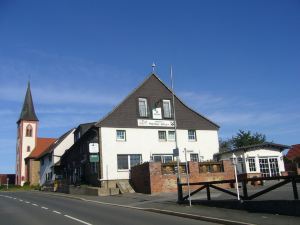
93	148
156	114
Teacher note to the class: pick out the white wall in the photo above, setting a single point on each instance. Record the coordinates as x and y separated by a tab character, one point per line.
27	141
56	153
257	153
146	142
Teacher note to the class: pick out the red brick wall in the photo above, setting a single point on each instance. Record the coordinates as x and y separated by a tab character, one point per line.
148	177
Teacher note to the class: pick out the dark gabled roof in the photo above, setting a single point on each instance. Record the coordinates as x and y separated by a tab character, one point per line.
84	127
28	112
257	146
56	143
152	75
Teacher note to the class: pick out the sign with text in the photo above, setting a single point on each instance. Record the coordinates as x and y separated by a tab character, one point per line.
155	123
93	148
94	158
156	114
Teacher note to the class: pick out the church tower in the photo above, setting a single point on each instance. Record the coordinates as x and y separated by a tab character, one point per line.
26	136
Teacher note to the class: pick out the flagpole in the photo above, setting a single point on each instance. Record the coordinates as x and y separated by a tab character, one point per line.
175	125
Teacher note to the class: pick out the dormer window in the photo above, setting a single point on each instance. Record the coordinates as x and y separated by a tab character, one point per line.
167	108
29	131
143	107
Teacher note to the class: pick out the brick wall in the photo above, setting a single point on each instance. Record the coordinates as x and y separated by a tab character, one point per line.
148	177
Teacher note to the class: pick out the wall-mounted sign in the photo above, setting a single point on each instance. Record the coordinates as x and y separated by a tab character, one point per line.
93	148
155	123
94	158
156	114
175	152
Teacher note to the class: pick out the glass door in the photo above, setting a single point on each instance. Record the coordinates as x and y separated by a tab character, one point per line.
274	169
264	167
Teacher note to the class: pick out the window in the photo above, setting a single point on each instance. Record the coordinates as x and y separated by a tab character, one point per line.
194	157
143	107
135	160
29	131
28	148
162	158
125	162
251	163
192	135
162	136
121	135
42	161
167	108
171	135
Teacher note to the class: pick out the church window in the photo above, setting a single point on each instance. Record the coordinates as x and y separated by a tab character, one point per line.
29	131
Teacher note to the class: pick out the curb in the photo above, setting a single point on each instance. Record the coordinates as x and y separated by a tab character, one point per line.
161	211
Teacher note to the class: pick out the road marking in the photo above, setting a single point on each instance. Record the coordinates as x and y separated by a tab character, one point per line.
20	200
34	204
78	220
44	207
56	212
27	202
14	198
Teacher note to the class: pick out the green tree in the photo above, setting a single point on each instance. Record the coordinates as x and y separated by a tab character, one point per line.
241	139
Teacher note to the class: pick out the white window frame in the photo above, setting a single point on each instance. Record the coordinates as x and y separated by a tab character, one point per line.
194	135
128	161
169	109
252	164
171	139
162	131
118	138
196	155
144	100
162	157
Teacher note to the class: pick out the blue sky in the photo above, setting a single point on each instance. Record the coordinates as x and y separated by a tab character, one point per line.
236	62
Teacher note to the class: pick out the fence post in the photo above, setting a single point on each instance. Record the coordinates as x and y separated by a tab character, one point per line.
208	191
245	191
294	184
179	192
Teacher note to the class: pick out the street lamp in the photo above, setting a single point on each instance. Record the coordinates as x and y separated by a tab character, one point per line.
234	162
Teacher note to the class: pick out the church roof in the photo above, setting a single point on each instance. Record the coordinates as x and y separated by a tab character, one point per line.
28	112
41	146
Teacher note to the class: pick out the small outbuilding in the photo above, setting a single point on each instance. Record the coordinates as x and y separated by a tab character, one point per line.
264	159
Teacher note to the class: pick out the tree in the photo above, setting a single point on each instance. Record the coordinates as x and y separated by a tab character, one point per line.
241	139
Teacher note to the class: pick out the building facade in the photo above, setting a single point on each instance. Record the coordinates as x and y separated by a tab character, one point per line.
27	127
29	145
50	159
141	129
264	160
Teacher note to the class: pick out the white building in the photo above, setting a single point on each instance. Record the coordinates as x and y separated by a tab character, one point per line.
51	157
141	128
262	159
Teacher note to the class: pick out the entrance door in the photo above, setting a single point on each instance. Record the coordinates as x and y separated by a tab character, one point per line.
264	167
274	169
269	167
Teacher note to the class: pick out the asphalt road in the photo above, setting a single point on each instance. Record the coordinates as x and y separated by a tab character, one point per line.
31	208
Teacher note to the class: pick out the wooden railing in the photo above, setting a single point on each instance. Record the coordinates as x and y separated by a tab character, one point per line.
212	184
